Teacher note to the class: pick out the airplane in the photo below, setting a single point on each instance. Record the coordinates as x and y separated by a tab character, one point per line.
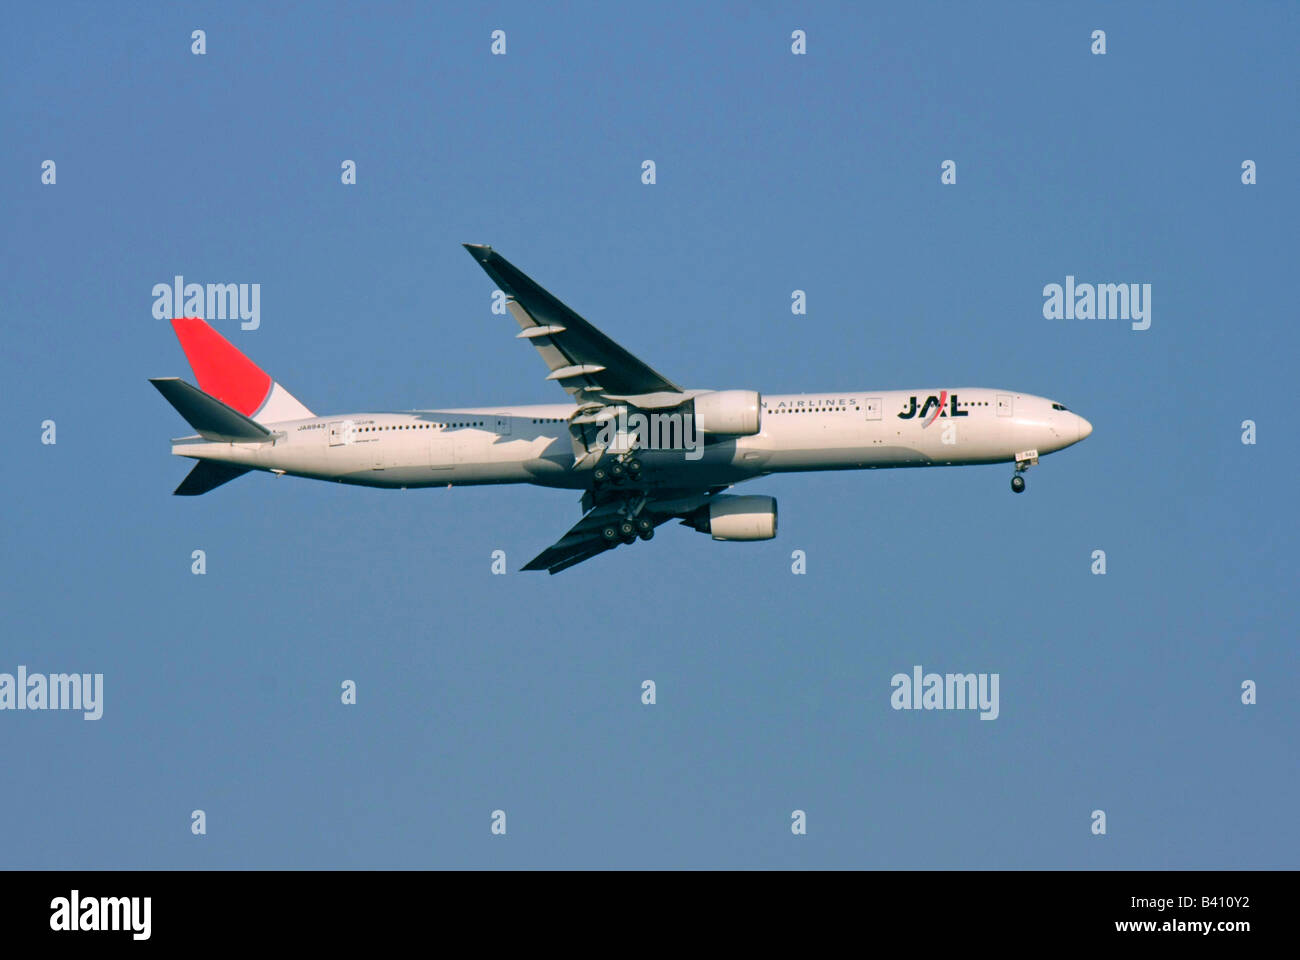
642	450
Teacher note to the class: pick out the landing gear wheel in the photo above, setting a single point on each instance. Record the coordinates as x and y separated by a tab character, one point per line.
633	468
617	472
627	530
599	476
645	529
1018	483
610	533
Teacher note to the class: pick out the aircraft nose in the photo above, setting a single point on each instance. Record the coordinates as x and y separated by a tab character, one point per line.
1085	428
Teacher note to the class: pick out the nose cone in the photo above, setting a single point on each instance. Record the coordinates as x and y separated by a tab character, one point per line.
1084	427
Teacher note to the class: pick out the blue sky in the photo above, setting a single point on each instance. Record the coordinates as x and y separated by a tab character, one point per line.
774	173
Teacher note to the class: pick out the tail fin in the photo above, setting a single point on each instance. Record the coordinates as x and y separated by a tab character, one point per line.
208	475
213	419
225	373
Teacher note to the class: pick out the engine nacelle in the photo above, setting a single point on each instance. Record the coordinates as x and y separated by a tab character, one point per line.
728	517
735	413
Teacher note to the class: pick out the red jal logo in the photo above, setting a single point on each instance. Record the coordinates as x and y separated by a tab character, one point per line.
938	405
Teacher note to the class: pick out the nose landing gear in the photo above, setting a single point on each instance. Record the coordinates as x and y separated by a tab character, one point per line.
1024	460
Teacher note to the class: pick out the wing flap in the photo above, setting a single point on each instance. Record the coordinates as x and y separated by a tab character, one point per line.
557	558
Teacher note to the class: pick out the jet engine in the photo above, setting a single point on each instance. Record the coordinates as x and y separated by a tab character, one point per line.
728	517
736	413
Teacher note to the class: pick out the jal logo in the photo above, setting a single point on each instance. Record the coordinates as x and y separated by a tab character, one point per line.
933	408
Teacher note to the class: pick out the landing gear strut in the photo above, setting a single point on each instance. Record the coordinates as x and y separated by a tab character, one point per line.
1024	460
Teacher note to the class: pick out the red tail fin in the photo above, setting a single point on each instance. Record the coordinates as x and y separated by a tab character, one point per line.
225	373
220	368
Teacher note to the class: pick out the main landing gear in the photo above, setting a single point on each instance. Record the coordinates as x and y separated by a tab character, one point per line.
617	472
628	530
623	471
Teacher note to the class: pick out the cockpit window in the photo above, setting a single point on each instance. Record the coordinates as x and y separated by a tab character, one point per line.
1057	406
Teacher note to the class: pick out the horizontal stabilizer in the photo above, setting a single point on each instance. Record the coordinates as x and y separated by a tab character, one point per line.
212	419
208	475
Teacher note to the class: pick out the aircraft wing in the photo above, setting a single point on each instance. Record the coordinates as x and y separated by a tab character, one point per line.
585	362
586	538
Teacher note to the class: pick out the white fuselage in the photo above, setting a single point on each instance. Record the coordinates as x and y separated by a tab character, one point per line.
532	444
